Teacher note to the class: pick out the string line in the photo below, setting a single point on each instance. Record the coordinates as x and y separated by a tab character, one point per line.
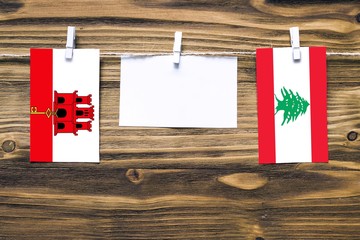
129	54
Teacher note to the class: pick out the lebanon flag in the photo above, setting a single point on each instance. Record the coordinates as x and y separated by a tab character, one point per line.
292	120
64	106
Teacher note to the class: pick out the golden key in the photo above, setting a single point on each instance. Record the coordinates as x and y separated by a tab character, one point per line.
48	112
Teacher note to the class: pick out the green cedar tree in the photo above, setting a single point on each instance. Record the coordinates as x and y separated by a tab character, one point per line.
292	104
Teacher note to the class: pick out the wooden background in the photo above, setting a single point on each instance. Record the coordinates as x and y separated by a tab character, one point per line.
180	183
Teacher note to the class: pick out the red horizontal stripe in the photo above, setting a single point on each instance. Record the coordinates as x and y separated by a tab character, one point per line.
265	98
41	129
318	104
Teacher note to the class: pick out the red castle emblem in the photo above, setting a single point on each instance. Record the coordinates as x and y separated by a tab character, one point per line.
68	112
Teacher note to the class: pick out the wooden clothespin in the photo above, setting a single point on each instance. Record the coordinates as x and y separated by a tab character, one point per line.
177	47
70	43
295	43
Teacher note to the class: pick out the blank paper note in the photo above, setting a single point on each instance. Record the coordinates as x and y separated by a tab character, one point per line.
200	92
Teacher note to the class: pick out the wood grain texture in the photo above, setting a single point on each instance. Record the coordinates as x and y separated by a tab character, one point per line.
165	183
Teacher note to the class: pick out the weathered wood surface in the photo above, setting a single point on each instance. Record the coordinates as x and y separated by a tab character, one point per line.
180	183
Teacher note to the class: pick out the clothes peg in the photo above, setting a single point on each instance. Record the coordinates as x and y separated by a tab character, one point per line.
177	47
70	42
295	43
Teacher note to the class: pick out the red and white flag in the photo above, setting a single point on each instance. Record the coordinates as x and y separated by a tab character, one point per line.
64	106
292	118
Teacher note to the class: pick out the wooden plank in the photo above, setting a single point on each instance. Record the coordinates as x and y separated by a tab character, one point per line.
149	25
181	204
179	183
187	147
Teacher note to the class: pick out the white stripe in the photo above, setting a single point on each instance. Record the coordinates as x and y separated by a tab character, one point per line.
292	140
82	74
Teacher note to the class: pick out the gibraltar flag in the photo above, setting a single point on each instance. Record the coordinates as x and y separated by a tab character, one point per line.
292	120
64	106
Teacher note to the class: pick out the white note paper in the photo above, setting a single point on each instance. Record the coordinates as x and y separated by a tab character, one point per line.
200	92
